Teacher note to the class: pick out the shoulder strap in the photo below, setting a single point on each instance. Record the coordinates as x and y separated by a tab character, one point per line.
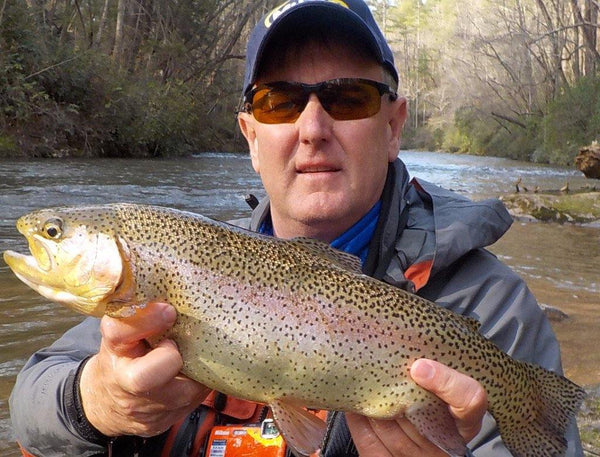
338	441
196	425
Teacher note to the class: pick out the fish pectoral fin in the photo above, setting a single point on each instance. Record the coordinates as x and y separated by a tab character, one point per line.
302	431
120	310
433	420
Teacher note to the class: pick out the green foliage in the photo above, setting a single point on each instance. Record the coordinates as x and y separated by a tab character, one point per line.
475	132
571	120
66	92
18	33
456	141
145	118
8	147
72	83
471	133
515	143
19	95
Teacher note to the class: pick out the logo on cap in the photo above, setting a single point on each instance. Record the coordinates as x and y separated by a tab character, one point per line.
278	11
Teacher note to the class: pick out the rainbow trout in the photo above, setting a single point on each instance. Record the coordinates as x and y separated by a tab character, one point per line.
288	323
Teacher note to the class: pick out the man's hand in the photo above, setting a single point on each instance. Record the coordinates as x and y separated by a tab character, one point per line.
466	400
129	388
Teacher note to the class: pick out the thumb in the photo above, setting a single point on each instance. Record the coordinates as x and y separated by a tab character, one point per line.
465	396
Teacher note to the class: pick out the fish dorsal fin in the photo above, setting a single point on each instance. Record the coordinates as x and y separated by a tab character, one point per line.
324	251
471	322
302	431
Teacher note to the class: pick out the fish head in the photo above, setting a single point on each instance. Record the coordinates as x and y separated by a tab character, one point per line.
76	258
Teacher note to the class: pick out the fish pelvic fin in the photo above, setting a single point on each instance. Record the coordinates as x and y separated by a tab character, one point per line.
433	420
302	431
541	431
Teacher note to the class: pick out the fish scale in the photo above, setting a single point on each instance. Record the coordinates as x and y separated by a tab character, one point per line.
289	323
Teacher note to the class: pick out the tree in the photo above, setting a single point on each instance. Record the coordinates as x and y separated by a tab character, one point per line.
132	76
497	64
140	76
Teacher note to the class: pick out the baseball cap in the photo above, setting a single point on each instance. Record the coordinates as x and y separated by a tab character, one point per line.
348	13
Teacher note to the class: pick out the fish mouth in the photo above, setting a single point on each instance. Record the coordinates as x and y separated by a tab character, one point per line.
51	285
36	265
26	268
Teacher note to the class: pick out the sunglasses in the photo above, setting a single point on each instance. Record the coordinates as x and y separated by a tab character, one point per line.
344	99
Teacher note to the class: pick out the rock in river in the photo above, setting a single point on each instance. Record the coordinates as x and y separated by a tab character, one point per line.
588	160
579	207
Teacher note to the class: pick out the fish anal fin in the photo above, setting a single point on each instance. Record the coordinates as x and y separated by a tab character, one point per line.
434	421
302	431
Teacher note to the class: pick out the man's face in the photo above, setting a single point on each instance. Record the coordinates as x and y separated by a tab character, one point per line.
323	175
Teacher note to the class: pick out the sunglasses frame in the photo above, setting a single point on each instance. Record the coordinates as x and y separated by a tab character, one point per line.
317	88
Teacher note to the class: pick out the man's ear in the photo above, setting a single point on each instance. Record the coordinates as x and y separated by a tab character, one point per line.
397	119
247	122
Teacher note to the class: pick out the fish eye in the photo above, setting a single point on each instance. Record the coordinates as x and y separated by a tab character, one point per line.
53	228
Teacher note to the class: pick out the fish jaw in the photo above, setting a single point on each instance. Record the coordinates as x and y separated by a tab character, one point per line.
80	270
24	267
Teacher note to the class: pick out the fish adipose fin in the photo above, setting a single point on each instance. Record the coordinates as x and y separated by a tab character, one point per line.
433	420
302	431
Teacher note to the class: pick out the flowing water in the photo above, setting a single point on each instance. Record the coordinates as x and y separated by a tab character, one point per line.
561	263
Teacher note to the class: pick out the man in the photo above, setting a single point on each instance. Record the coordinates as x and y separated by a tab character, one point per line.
323	124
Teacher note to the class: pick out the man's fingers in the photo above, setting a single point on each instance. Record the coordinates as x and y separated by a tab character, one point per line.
152	370
386	438
465	396
130	388
123	334
366	440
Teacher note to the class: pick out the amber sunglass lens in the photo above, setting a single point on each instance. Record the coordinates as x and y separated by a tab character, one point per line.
278	105
352	101
344	99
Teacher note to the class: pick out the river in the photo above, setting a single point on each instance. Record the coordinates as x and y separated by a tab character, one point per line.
561	263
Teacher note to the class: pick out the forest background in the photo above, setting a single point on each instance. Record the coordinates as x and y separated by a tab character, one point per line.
155	78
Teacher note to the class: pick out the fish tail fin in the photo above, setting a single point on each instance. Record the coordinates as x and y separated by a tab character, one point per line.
546	410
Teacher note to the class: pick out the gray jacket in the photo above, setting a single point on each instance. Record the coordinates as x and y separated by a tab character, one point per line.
428	240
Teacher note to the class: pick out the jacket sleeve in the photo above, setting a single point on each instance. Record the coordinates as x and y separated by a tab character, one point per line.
480	286
41	405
